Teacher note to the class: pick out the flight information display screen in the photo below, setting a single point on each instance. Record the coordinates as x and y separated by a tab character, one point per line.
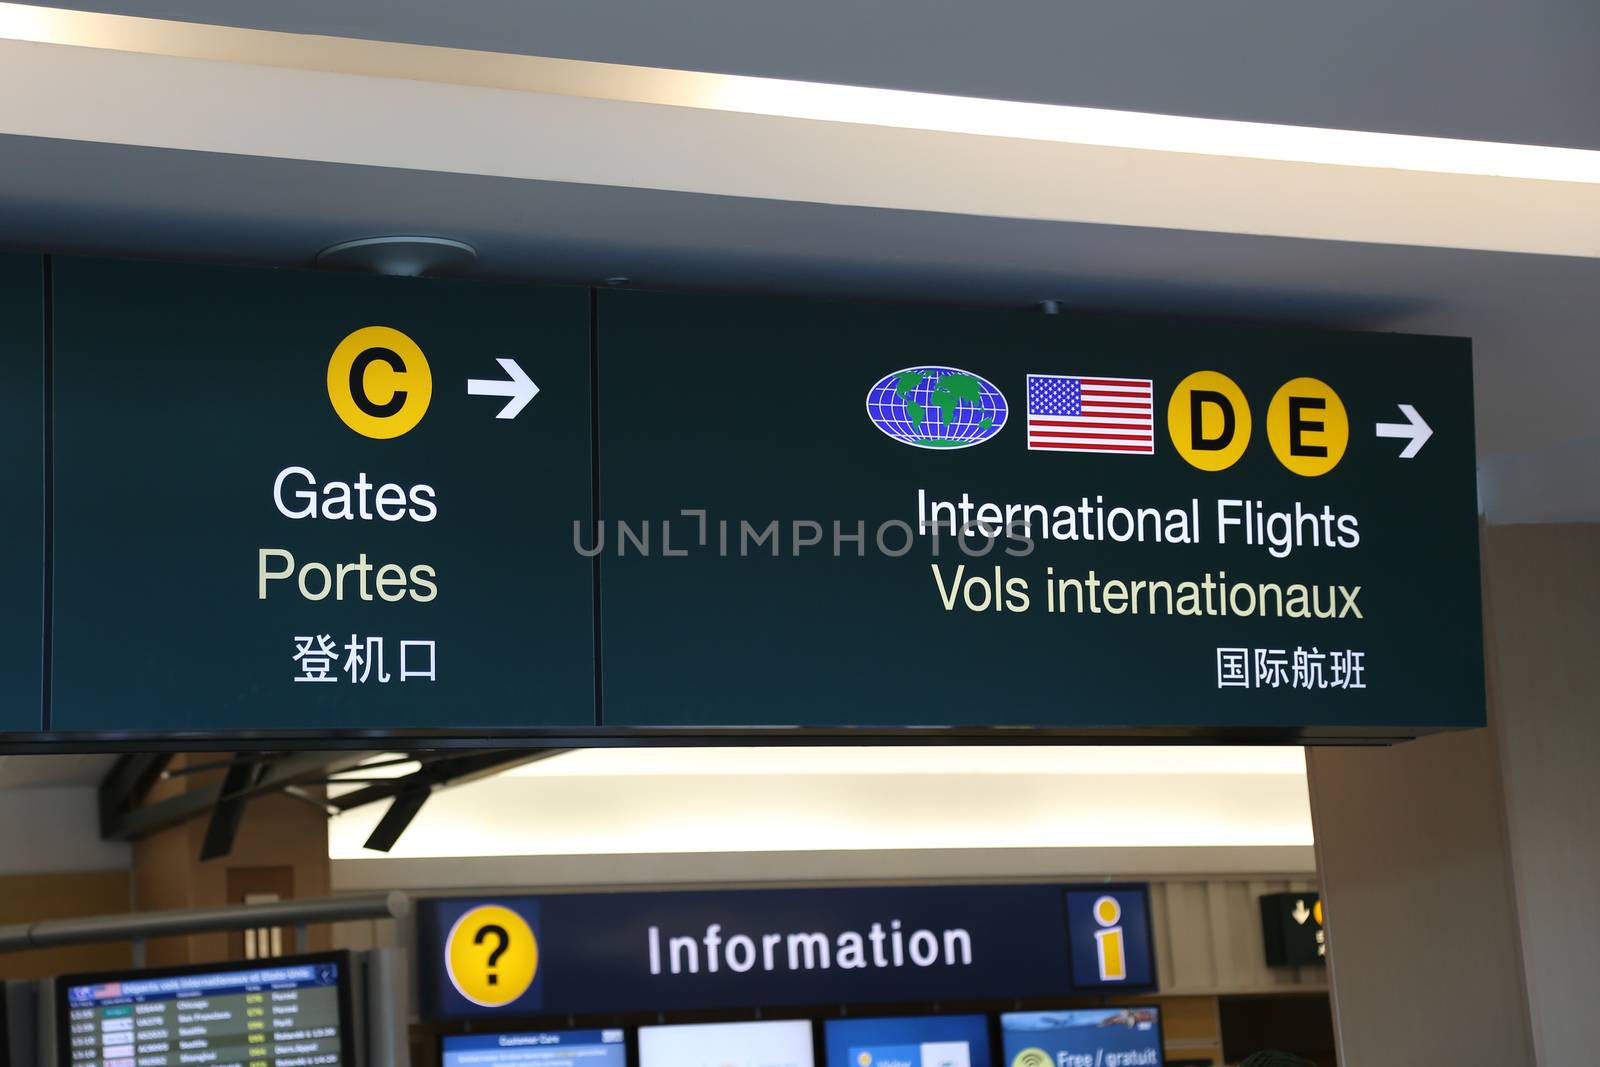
282	1013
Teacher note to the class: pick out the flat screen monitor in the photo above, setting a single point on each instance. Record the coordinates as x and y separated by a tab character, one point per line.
277	1012
1098	1037
537	1048
784	1043
910	1041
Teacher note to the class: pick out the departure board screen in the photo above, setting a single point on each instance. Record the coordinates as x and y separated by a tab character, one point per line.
282	1013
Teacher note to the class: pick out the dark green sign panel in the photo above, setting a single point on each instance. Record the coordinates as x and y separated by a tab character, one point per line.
22	476
832	515
313	502
288	506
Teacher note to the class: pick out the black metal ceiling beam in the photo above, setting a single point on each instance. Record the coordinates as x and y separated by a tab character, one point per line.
247	777
450	770
129	782
397	818
215	765
293	769
225	817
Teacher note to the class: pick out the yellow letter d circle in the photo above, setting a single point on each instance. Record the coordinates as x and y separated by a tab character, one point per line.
1209	420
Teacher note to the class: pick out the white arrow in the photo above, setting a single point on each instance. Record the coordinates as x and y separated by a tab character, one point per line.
1301	913
1413	428
519	388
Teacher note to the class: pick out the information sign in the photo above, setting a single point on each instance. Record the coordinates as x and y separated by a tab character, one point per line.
565	954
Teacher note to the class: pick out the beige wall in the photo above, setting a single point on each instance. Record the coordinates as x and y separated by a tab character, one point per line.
1422	942
55	866
277	833
689	870
1460	871
68	840
30	898
1544	598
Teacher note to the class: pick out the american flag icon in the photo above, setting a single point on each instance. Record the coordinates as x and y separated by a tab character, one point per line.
1073	414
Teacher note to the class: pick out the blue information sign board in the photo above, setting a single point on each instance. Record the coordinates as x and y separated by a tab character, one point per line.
622	952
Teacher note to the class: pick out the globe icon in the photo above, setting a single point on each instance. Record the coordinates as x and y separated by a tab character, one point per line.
936	407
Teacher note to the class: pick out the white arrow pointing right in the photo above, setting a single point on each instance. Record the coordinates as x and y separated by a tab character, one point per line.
518	388
1414	430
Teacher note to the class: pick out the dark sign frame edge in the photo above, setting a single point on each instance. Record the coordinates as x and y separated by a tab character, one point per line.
698	737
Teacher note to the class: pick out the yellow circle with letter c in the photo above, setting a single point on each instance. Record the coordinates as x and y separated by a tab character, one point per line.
379	382
491	955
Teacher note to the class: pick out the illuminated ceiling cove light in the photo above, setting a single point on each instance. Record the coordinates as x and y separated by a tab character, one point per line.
1151	132
806	100
723	800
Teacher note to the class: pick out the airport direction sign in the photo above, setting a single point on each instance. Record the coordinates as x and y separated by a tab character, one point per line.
840	515
291	505
22	363
291	501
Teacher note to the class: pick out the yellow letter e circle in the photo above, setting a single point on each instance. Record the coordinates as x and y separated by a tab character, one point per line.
1307	427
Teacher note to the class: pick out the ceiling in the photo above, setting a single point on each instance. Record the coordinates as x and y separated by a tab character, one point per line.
1479	69
1534	319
